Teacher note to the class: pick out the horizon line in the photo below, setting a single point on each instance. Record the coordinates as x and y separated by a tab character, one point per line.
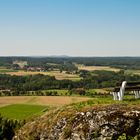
62	56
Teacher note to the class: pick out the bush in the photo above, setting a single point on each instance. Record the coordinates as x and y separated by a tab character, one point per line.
8	127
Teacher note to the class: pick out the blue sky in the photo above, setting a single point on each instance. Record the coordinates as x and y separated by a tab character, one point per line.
70	27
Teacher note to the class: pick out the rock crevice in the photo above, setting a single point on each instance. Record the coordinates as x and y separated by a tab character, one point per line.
108	123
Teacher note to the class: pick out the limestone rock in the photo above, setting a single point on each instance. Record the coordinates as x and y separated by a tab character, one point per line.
106	123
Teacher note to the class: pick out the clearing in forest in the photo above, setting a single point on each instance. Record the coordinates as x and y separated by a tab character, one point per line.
93	68
58	75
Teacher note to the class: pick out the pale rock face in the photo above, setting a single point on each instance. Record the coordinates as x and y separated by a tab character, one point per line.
89	114
105	124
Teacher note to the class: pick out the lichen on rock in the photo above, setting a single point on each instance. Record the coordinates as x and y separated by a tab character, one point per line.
100	123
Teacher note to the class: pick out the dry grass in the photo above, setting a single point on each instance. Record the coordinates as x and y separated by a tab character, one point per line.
41	100
93	68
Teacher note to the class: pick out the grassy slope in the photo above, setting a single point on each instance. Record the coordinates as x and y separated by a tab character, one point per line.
103	100
70	112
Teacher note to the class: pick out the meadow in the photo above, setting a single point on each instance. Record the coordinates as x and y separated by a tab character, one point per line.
24	107
58	75
99	91
22	111
4	70
93	68
137	72
64	75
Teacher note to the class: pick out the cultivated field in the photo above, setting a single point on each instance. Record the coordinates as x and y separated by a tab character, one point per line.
93	68
57	74
24	107
41	100
22	111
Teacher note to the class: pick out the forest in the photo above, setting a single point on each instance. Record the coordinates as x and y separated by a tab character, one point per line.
117	62
89	80
96	79
43	84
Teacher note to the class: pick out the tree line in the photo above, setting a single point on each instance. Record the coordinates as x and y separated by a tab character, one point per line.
117	62
89	80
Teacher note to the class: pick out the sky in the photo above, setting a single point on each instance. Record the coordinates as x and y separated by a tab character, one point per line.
70	27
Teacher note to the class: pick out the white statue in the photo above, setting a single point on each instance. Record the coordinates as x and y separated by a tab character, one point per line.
122	90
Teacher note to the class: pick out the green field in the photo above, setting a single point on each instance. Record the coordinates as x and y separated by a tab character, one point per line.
107	100
95	68
137	72
26	107
7	70
103	91
58	75
20	111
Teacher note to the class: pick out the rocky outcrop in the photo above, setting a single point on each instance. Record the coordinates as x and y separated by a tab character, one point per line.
101	123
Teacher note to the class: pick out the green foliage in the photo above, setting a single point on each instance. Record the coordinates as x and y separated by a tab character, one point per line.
106	99
8	127
95	135
124	136
67	132
19	85
118	62
6	70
